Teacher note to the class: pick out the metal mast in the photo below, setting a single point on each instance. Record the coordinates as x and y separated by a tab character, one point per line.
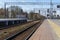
51	9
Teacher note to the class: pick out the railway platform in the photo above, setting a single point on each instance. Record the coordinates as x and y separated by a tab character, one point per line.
49	30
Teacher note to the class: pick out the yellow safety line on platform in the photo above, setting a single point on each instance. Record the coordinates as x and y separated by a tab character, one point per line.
55	27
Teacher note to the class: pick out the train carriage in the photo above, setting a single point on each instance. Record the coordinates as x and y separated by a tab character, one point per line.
13	21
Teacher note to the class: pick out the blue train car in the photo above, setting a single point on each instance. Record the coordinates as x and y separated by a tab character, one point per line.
12	21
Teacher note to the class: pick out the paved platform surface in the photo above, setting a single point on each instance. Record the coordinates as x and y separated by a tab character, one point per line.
49	30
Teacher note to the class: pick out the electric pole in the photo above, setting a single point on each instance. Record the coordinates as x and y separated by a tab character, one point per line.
51	9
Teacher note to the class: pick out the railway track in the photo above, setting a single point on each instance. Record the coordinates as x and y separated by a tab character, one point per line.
9	32
26	34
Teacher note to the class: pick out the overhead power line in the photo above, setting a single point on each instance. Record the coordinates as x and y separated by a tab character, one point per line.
31	3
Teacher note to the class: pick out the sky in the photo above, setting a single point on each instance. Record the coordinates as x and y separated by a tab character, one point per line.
3	1
29	7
